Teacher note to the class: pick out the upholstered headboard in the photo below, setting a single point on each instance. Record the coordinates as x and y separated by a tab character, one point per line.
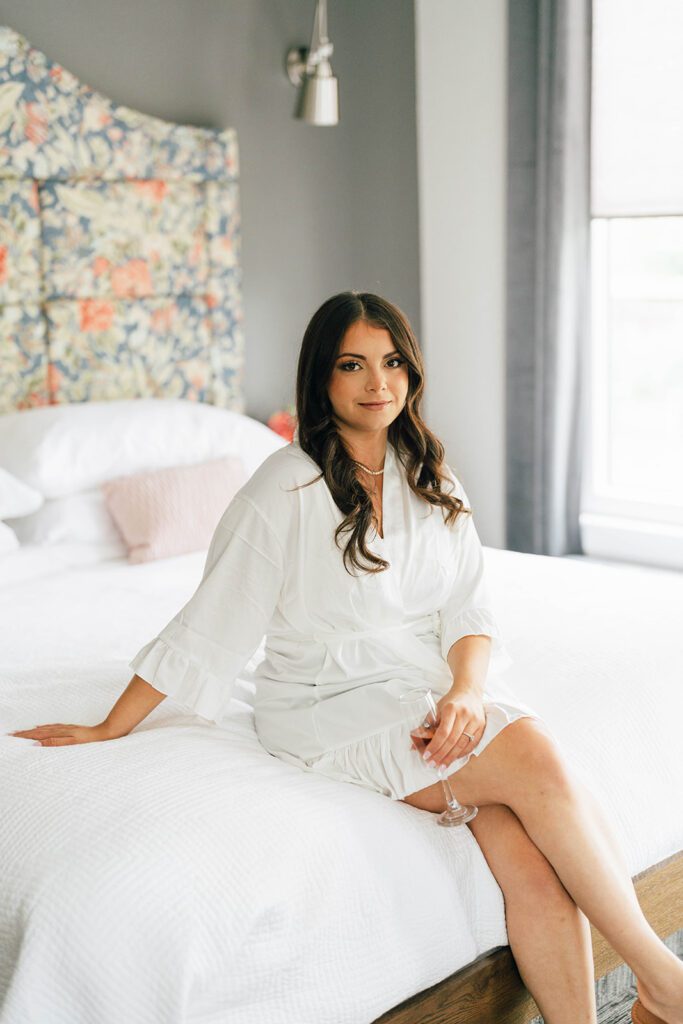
119	247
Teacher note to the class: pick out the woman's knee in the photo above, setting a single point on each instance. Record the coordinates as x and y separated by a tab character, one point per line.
537	762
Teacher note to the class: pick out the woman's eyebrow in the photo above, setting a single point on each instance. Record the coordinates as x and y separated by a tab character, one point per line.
359	356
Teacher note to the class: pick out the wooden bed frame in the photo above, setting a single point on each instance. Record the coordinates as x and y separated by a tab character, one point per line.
490	990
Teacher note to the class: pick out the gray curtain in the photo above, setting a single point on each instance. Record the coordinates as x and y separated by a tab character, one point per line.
548	271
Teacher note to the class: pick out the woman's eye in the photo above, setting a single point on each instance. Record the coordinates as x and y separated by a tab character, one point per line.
353	362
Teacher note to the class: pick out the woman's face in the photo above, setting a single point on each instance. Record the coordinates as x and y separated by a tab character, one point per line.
367	370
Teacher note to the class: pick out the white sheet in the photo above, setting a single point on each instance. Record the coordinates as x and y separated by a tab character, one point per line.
33	561
183	874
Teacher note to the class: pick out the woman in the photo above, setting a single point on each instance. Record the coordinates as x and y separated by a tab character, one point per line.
354	551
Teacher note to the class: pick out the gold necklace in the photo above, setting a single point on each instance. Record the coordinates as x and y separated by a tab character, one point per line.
373	472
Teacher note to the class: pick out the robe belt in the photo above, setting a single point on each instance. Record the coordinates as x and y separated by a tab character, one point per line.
430	623
405	644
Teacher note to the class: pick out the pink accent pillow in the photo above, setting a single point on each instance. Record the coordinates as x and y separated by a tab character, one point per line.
168	512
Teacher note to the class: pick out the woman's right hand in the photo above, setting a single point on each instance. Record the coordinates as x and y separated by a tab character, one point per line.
136	701
59	735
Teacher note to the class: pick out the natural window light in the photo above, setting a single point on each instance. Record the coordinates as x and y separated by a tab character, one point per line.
632	502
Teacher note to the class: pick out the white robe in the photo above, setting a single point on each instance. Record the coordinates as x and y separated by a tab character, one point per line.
339	648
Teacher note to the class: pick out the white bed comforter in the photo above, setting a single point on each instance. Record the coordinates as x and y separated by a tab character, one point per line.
182	874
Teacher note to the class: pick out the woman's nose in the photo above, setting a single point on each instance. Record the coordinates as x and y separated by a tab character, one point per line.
377	380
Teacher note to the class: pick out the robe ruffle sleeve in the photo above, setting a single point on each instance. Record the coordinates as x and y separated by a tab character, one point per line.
197	656
468	609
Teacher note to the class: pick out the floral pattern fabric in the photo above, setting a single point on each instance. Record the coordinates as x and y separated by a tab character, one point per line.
119	247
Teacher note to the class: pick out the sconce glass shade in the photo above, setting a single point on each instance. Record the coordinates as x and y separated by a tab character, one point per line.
319	97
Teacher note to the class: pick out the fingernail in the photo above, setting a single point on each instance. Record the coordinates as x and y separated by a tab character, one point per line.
426	756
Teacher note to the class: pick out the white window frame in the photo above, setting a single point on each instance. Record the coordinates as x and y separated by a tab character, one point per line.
613	527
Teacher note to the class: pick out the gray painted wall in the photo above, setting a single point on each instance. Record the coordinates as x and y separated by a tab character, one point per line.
461	116
323	209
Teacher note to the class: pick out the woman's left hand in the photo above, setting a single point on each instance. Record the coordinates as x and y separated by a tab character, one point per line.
457	714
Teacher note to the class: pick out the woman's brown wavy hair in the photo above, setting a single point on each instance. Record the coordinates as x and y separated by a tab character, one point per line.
418	449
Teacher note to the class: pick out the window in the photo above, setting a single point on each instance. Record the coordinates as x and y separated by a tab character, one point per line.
632	504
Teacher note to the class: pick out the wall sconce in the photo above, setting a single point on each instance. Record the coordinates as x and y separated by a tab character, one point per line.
310	69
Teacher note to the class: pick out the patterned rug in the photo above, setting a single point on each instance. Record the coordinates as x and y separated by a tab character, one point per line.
616	992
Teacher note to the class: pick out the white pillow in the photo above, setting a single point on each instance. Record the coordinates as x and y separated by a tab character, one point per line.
8	539
17	498
63	449
74	519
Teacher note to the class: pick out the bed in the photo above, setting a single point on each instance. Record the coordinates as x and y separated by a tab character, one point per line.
181	873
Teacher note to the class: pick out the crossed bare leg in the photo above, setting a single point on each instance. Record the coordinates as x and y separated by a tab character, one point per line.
542	831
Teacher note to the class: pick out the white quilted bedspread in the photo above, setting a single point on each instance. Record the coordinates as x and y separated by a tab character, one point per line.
182	874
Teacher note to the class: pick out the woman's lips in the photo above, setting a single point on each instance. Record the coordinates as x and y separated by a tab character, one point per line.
373	405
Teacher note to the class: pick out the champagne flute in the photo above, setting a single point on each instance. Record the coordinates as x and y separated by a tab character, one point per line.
420	711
